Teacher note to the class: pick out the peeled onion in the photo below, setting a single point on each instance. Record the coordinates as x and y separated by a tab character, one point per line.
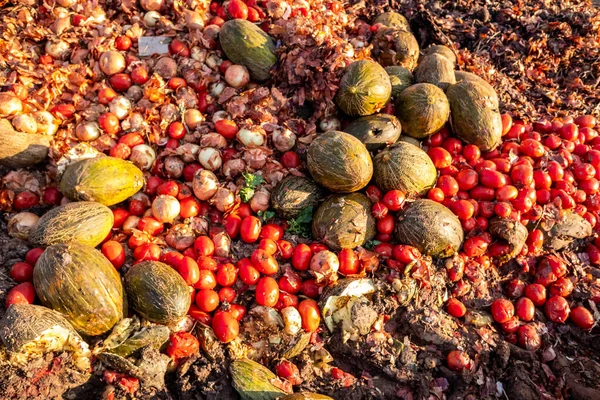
283	139
151	18
234	167
222	243
180	237
223	199
58	49
112	62
213	139
205	184
142	156
25	123
210	158
151	5
193	118
193	20
165	208
45	123
330	124
9	104
260	201
292	321
324	266
237	76
219	115
130	223
250	138
87	131
20	225
174	166
216	89
120	106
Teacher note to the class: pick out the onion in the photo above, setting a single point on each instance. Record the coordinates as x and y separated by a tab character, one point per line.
216	89
237	76
66	3
219	115
234	167
210	158
193	20
198	54
180	237
193	118
213	61
169	112
9	104
250	138
130	223
222	243
45	123
166	67
112	62
142	156
165	208
260	201
151	18
223	199
324	266
25	123
283	139
255	158
205	184
188	152
137	122
87	131
213	139
135	93
330	124
61	24
58	49
174	166
120	106
292	321
20	225
151	5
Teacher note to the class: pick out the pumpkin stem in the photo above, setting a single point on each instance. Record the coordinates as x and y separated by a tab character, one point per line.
353	89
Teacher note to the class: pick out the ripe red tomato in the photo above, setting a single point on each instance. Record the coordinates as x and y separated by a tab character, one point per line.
492	179
310	313
204	246
114	252
182	345
467	179
436	194
247	273
525	309
309	288
227	128
25	200
557	309
190	207
206	280
405	254
471	153
348	262
139	75
109	123
502	310
441	157
22	272
463	209
250	229
237	9
562	287
227	274
290	159
225	326
227	294
33	255
268	245
511	326
448	185
267	291
582	317
536	293
458	361
271	231
207	300
475	246
302	256
386	224
123	43
456	308
120	82
23	293
290	282
189	270
176	130
394	200
206	262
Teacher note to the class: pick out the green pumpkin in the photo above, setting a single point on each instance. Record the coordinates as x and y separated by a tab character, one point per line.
392	19
293	194
393	46
364	89
376	131
437	70
422	109
400	77
443	51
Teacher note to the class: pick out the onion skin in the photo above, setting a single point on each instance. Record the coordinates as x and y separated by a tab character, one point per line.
25	123
165	208
9	104
112	62
205	184
21	150
20	225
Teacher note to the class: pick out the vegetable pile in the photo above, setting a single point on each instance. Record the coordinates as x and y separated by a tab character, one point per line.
267	200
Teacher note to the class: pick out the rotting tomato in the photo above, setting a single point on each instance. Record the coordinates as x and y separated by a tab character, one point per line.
206	280
310	313
394	200
502	310
267	291
310	289
227	294
458	361
182	345
557	309
302	256
247	273
582	317
225	326
525	309
25	200
264	262
287	370
536	293
562	287
189	270
529	338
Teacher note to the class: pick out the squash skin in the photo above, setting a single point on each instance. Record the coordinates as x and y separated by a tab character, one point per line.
157	292
339	162
442	50
21	150
106	180
253	381
393	46
437	70
430	227
246	44
293	194
84	222
475	117
306	396
423	109
376	131
80	283
468	76
344	221
404	167
393	19
400	78
364	89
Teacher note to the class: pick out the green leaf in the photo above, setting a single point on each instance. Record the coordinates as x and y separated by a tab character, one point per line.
266	215
301	225
251	182
371	243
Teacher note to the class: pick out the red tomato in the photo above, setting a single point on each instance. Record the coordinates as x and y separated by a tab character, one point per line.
139	75
286	370
290	282
227	294
247	273
178	47
123	43
106	95
286	249
232	224
436	194
25	200
529	338
475	246
536	293
456	308
227	274
170	188
515	288
375	195
525	309
557	309
562	287
22	272
582	317
147	252
310	288
348	262
109	123
33	255
176	130
206	280
394	200
188	269
207	300
23	293
227	128
267	291
225	326
150	225
182	345
52	196
198	315
271	231
250	229
441	157
264	262
458	361
114	252
204	246
405	254
502	310
386	225
290	159
302	256
237	9
310	313
268	245
467	179
120	82
379	210
190	207
208	263
448	185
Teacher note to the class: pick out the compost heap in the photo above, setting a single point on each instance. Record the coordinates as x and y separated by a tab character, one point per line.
298	200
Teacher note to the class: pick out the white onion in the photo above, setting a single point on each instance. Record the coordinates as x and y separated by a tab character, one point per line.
223	199
87	131
112	62
237	76
198	54
220	115
120	106
130	223
193	20
213	61
151	18
45	123
9	104
165	208
222	243
180	237
188	152
260	201
330	124
151	5
25	123
324	266
205	184
216	89
292	321
193	118
283	139
142	156
250	138
210	158
20	225
234	167
173	166
58	49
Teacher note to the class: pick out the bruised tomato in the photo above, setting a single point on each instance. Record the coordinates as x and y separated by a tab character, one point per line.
225	326
311	315
502	310
557	309
267	291
458	360
182	344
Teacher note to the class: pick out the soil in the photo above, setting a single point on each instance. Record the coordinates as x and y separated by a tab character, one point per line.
542	58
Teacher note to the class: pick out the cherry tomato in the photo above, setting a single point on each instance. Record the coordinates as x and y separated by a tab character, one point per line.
309	288
290	282
33	255
394	200
22	272
123	43
467	179
267	291
436	194
23	293
557	309
310	313
139	75
475	246
448	185
271	231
